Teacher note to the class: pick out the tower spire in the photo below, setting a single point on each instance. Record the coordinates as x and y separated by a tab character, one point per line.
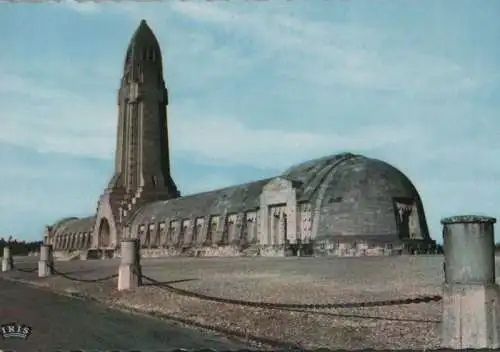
142	46
142	161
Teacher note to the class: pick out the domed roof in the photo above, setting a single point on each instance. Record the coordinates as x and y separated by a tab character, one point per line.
311	175
318	182
360	197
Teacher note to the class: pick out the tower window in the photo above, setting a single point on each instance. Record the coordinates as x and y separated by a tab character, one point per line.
154	181
151	54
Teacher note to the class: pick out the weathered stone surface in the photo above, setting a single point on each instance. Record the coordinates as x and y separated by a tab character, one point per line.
470	316
471	298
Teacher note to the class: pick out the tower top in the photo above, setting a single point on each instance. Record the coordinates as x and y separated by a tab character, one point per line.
142	40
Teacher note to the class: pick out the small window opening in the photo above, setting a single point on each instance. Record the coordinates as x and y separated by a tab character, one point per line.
335	199
151	54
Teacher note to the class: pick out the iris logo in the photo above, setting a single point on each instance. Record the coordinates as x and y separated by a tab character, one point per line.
15	331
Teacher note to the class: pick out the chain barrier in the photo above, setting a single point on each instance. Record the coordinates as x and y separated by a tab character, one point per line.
66	276
270	305
26	270
72	278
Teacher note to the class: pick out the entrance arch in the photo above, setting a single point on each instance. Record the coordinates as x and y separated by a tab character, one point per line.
104	234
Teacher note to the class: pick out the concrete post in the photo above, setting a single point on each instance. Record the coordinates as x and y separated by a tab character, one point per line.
129	271
46	262
7	260
471	298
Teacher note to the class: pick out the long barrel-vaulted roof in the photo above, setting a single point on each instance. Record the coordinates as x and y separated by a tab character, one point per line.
74	225
233	199
307	178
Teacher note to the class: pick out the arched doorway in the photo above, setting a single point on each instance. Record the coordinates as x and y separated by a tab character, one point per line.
104	233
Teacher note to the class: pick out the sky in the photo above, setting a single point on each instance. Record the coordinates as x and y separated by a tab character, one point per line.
254	87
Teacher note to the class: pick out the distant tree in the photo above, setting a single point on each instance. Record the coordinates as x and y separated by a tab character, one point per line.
19	247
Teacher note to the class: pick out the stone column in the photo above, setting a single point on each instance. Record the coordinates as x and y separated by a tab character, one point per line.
81	241
263	232
176	233
129	271
7	260
272	229
46	262
189	233
218	235
205	228
471	298
281	228
169	234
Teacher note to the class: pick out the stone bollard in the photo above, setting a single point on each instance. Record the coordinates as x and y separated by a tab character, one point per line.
46	262
471	298
129	271
7	260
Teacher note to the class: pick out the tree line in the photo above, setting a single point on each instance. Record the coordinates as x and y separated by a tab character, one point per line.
19	247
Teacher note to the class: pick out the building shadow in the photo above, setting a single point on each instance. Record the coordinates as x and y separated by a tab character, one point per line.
157	283
357	316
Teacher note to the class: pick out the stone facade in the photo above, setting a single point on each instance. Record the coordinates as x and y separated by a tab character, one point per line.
341	205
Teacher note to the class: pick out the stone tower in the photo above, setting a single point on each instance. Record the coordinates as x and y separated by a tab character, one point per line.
142	160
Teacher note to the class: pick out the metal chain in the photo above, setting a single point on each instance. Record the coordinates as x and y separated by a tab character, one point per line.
240	334
26	270
271	305
421	299
66	276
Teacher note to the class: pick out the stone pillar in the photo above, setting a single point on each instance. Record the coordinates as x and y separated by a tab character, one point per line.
189	233
46	262
7	260
471	298
129	271
205	229
218	235
281	228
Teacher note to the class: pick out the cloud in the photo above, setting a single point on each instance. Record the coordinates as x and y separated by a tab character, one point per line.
227	141
330	59
304	53
84	7
327	55
55	120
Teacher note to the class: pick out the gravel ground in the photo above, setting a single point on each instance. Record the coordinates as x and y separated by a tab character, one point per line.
280	280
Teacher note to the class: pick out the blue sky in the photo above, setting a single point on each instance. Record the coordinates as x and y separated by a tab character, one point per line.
254	87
